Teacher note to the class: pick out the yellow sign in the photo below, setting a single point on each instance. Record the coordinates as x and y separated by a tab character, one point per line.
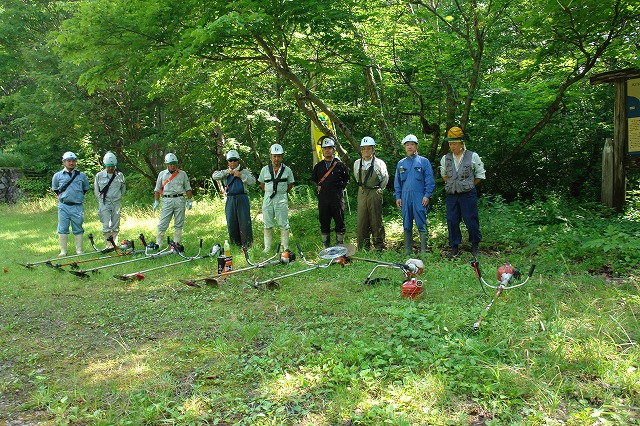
316	134
633	116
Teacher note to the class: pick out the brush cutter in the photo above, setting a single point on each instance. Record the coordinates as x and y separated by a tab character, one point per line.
508	278
331	253
49	261
139	275
213	279
410	268
125	248
166	251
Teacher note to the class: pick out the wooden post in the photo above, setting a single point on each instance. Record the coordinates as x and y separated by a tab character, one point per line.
606	191
619	177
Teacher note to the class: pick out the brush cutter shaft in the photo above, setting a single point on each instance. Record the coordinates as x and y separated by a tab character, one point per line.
316	266
147	256
477	324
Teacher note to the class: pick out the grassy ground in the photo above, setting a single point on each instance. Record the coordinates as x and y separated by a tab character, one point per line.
324	349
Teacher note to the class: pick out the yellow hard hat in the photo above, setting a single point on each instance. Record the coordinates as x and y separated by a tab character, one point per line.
456	134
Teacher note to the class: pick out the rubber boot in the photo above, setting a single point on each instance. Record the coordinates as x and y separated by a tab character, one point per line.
64	240
177	235
284	238
115	237
423	242
106	235
453	253
340	237
79	242
160	238
326	240
408	242
475	249
268	239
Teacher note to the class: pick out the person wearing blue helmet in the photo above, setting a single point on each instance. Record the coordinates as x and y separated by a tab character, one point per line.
413	186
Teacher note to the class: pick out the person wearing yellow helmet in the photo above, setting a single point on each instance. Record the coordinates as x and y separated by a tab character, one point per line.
461	170
70	185
276	180
235	179
109	186
172	185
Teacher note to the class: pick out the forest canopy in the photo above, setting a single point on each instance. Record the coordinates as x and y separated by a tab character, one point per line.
145	77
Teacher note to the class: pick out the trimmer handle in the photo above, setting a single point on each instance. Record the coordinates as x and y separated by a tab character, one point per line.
201	243
533	266
300	250
142	240
90	237
476	267
278	249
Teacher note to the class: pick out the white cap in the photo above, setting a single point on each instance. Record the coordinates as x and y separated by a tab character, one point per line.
410	138
276	148
170	158
367	141
328	142
110	159
233	155
69	156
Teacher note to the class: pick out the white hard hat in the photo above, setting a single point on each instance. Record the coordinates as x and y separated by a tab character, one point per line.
233	155
171	158
110	159
69	156
367	141
328	142
276	148
410	138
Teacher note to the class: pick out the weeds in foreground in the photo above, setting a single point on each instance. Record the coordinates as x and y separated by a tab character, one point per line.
324	349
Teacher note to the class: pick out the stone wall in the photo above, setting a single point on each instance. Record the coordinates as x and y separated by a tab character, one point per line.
9	191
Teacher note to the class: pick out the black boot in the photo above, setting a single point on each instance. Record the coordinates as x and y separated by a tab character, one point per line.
453	253
475	249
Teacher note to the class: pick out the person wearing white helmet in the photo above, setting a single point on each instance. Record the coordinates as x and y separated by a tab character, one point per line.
276	180
172	185
235	179
461	170
109	187
70	185
372	177
332	176
413	186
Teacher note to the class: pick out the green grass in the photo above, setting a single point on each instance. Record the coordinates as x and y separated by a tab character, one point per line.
324	349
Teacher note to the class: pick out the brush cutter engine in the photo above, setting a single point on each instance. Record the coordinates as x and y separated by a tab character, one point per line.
126	246
287	256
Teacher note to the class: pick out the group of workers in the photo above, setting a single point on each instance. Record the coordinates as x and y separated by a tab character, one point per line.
413	185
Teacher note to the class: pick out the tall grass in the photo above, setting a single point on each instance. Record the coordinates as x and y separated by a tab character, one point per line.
324	348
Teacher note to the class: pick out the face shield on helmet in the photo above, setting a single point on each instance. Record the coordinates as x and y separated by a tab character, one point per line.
276	149
69	156
110	160
171	158
410	138
367	141
233	155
